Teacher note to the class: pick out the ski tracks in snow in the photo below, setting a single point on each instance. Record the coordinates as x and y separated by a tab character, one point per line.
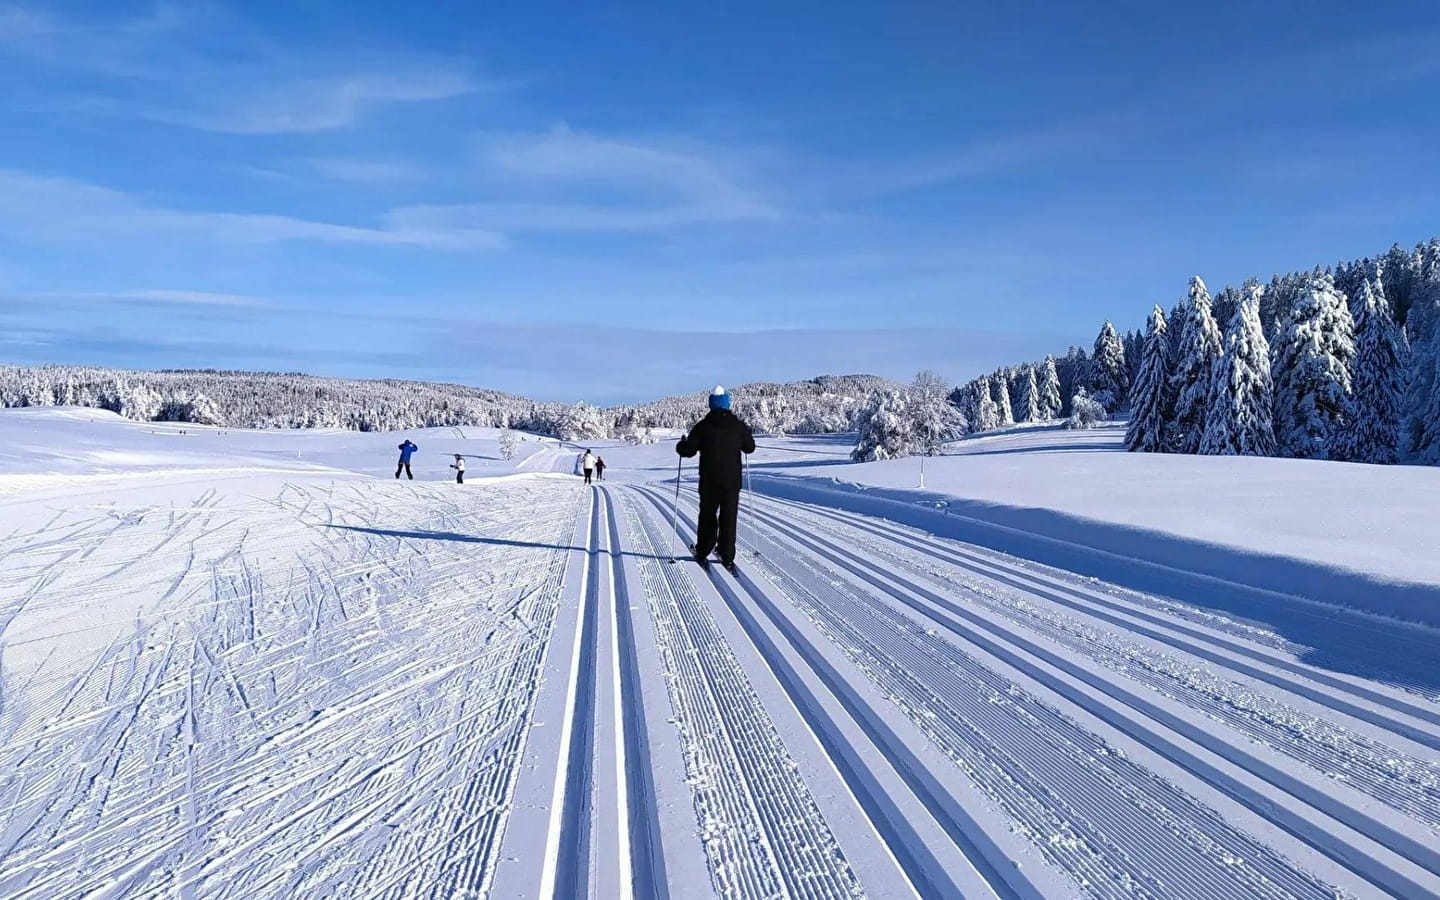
521	692
346	721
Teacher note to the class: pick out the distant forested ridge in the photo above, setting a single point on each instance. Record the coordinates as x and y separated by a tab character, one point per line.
293	400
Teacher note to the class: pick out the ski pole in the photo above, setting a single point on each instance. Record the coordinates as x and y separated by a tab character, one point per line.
749	514
675	507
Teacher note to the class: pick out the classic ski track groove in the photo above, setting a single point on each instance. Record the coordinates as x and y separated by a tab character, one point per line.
746	792
1387	773
1105	846
1235	649
1412	871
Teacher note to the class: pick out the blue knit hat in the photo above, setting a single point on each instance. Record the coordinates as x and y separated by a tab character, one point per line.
719	399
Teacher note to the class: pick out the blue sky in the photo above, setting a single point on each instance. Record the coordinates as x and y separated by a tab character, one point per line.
620	203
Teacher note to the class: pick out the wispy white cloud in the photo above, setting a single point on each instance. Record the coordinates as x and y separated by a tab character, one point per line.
566	155
65	210
199	300
589	182
201	69
558	217
196	298
365	171
308	104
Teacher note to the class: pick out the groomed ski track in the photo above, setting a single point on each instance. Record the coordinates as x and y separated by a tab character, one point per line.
525	691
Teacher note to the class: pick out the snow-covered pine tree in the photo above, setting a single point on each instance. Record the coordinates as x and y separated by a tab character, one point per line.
1200	346
1111	375
1399	271
1312	371
936	420
1074	373
1422	327
1134	342
987	413
1420	432
581	422
1175	322
1238	421
963	399
1000	393
1372	417
887	429
1425	448
1146	432
204	411
1029	410
1050	402
1015	386
509	444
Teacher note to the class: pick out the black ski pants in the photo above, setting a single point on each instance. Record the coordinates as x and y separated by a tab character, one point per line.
404	467
719	510
588	474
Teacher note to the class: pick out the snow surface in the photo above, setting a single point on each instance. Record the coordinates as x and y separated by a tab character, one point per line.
1376	520
254	664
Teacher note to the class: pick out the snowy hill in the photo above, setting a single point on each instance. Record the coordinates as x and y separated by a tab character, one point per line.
253	663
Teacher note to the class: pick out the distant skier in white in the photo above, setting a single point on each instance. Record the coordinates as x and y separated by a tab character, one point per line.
587	465
459	466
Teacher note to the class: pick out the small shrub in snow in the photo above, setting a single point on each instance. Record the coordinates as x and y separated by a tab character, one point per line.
1084	412
936	420
887	429
509	444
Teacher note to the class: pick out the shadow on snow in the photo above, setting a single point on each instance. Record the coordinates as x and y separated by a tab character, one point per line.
492	541
1341	620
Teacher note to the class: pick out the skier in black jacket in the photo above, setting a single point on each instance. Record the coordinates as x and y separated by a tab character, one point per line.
719	438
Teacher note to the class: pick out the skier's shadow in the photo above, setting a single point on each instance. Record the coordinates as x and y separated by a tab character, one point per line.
476	539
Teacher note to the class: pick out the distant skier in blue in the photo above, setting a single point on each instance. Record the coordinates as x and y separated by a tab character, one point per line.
407	450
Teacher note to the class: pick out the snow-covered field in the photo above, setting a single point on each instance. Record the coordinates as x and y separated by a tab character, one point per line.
252	664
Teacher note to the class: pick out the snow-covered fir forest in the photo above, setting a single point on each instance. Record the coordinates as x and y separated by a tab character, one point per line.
1339	362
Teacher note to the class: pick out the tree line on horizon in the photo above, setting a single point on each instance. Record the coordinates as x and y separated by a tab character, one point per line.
1338	362
823	405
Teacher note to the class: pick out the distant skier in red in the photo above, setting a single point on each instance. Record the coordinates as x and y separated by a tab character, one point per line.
720	439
